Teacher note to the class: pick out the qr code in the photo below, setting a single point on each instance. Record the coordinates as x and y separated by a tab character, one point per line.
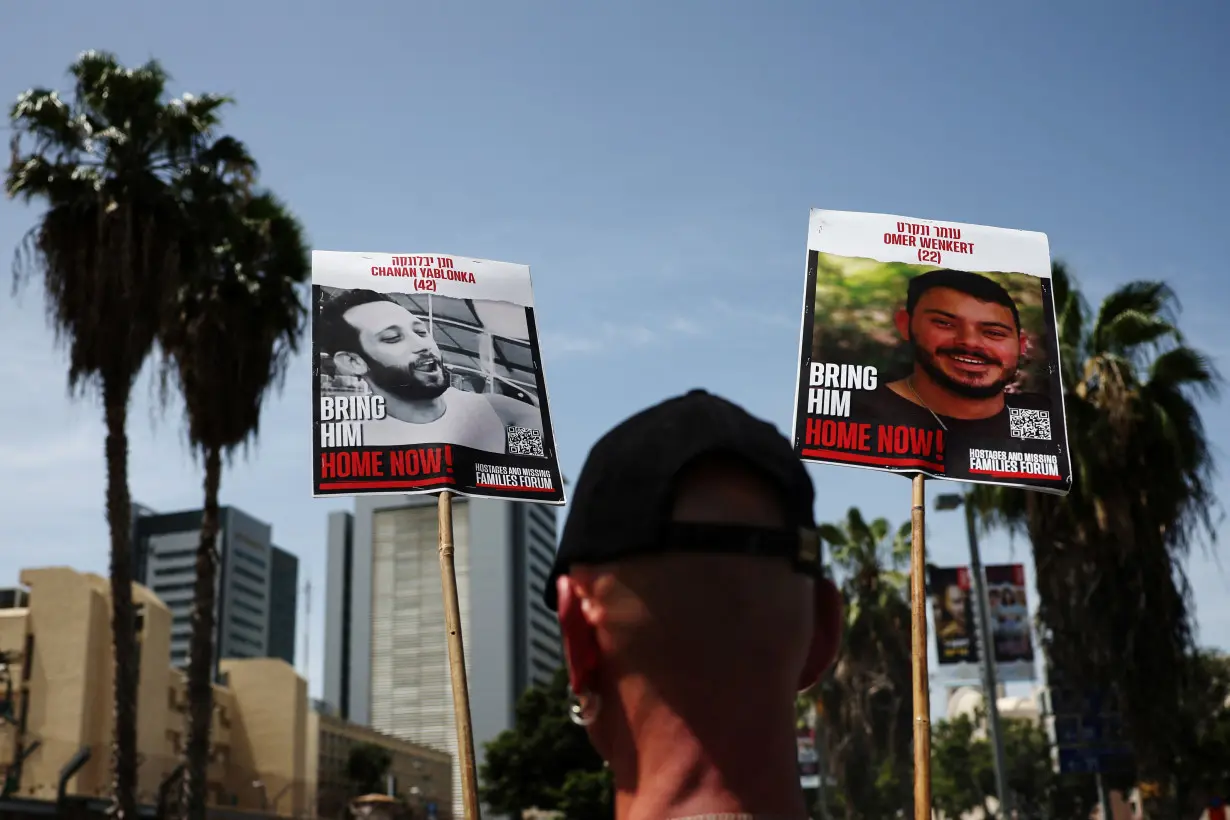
524	441
1029	424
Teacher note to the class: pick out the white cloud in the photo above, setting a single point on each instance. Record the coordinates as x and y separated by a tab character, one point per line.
757	314
685	326
607	335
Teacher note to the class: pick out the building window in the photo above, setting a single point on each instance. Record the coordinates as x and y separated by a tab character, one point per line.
163	589
246	623
171	555
249	575
246	607
255	561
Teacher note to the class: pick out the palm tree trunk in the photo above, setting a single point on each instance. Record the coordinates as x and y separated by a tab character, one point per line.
201	653
116	393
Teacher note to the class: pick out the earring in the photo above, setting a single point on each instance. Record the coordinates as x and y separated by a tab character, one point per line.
583	709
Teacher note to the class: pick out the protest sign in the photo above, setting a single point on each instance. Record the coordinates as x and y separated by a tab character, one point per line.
428	377
953	612
930	347
955	615
1010	629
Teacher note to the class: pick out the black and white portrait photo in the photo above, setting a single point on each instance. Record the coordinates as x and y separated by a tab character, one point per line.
446	370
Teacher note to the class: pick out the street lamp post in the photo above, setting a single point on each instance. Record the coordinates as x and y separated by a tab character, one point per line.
952	501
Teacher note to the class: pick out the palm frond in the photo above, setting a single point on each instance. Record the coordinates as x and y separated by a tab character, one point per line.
240	313
1182	368
1155	299
42	116
187	124
1129	330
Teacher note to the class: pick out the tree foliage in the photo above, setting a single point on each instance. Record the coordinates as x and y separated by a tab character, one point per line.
963	771
545	761
366	767
235	322
109	249
866	700
1110	556
153	234
1202	763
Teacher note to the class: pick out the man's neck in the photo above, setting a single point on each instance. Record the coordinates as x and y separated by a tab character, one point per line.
732	761
421	411
922	390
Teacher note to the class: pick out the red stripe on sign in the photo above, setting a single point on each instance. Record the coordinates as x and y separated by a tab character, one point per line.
857	458
1002	474
386	485
515	487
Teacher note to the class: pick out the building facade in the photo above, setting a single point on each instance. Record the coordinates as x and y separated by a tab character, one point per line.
58	661
257	595
420	777
386	655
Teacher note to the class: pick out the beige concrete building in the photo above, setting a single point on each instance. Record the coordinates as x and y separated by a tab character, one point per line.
58	662
421	776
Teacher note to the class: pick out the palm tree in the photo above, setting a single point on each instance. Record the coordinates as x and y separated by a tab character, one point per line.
867	698
108	252
237	321
1115	603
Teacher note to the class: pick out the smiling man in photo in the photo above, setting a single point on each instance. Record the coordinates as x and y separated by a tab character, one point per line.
968	345
372	336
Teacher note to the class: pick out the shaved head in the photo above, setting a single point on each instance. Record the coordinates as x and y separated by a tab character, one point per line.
686	656
694	612
693	630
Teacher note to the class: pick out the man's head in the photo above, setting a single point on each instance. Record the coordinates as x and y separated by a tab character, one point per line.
371	335
954	602
689	564
965	330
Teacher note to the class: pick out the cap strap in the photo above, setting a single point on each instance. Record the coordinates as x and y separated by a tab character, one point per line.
799	546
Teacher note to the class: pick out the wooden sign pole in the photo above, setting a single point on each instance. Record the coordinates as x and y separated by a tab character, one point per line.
922	692
457	659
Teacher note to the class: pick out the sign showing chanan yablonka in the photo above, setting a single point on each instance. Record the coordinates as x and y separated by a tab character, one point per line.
930	347
428	377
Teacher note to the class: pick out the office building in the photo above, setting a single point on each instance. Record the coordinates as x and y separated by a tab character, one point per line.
57	664
257	593
386	654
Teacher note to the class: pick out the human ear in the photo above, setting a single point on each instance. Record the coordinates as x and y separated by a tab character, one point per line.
902	320
580	639
826	633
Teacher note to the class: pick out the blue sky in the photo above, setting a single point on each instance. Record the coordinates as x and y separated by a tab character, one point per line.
654	164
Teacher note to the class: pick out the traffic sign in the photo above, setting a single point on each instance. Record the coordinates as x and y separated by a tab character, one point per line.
1088	730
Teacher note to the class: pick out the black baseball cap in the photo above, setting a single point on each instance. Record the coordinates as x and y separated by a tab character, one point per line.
621	507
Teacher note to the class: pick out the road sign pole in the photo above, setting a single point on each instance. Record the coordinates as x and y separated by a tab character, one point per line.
988	659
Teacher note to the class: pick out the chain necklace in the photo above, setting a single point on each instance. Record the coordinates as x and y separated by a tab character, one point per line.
909	382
